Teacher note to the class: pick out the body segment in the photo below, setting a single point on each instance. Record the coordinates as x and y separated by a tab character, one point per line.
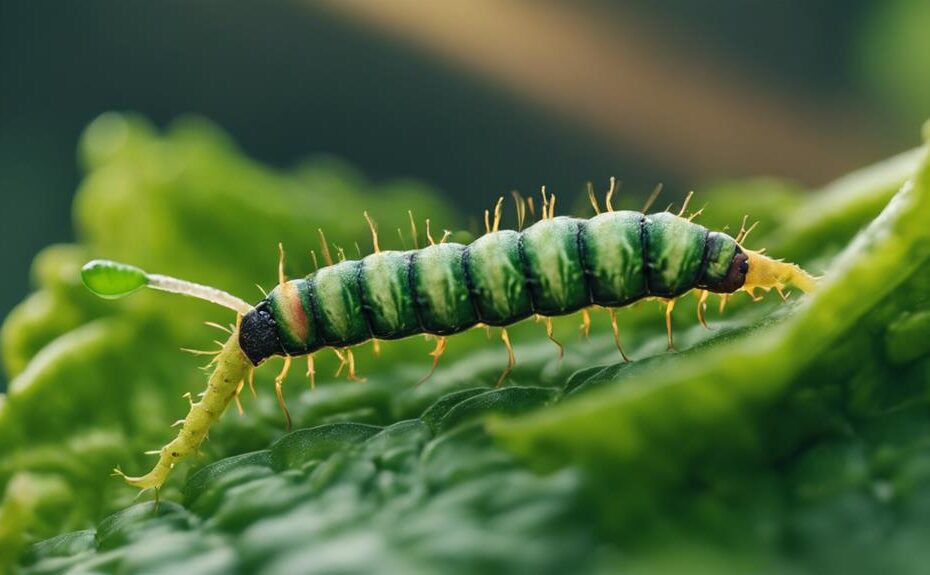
614	258
439	288
553	266
386	299
674	249
496	278
337	300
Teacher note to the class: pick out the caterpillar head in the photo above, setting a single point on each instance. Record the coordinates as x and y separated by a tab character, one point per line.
258	335
766	273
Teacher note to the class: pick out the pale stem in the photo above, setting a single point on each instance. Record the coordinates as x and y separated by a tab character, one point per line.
174	285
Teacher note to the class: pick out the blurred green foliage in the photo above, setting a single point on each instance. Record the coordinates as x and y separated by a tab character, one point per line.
894	55
790	438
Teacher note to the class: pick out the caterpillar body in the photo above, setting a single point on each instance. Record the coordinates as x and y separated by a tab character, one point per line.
557	266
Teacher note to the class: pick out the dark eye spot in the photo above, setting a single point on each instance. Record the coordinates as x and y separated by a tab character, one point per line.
744	267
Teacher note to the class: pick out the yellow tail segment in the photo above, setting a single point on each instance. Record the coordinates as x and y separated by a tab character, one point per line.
766	273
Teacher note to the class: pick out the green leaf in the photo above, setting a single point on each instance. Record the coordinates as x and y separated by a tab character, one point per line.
788	438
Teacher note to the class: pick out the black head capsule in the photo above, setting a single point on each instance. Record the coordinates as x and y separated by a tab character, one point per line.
258	334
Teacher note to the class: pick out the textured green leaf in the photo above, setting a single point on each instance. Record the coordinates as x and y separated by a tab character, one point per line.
790	438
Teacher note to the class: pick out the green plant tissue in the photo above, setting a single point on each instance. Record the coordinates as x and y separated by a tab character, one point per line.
790	438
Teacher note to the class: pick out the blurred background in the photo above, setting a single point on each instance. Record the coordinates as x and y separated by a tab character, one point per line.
474	97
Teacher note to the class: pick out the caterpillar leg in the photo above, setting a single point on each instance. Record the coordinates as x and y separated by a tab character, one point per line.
724	299
352	375
311	371
702	308
511	359
347	360
278	393
669	306
585	323
616	330
551	337
436	354
342	362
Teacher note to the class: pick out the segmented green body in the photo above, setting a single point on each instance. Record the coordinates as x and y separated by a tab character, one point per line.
554	267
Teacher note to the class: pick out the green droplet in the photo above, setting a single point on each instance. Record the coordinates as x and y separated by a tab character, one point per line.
112	280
